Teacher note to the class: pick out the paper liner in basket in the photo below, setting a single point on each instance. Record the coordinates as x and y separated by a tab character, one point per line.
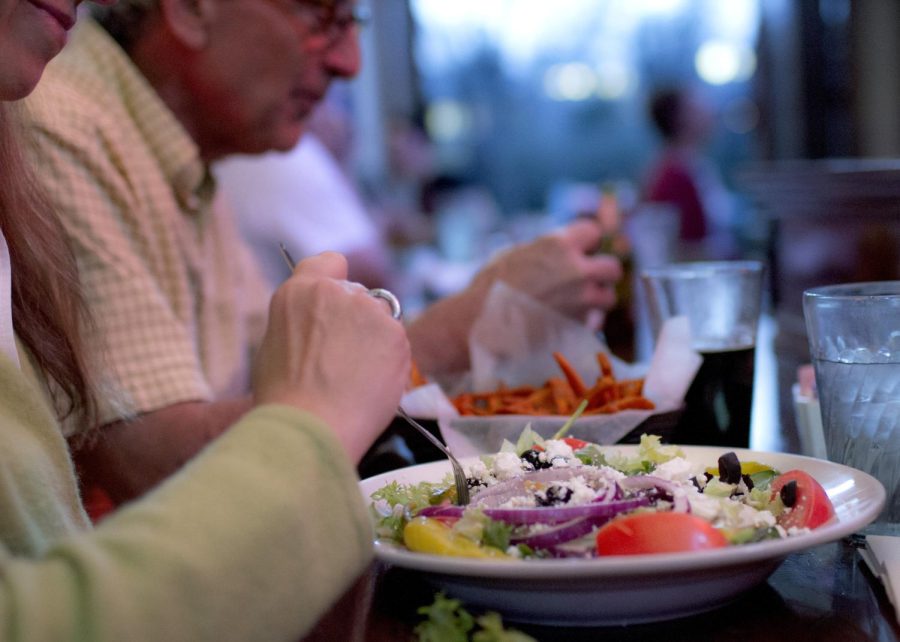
513	341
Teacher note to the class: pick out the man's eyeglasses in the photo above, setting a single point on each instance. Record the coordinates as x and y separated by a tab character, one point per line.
331	19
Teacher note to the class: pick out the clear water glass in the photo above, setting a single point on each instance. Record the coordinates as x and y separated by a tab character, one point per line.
854	340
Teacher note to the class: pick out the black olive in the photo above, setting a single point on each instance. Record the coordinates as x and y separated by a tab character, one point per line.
472	482
789	494
533	457
748	482
554	495
729	468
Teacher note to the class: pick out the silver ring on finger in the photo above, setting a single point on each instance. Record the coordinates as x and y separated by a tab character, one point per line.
387	295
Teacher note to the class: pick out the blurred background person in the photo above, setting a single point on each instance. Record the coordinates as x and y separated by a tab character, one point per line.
685	177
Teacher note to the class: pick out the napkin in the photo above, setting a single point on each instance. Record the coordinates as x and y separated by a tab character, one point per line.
881	553
808	414
512	342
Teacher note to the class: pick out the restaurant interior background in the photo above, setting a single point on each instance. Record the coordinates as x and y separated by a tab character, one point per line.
478	123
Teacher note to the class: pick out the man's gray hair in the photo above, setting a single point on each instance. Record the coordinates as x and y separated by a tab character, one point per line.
125	20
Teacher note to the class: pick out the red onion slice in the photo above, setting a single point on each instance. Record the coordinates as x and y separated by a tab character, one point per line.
564	532
670	490
546	514
558	514
444	510
501	492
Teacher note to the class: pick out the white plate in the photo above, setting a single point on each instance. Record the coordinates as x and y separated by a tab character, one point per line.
620	590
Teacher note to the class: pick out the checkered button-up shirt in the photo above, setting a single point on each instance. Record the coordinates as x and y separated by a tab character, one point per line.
177	299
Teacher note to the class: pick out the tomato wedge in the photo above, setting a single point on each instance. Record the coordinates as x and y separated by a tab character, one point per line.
642	533
812	507
573	442
576	444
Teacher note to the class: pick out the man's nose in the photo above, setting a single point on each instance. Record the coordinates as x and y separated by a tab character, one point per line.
344	57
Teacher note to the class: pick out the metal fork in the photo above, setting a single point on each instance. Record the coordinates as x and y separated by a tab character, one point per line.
459	477
378	293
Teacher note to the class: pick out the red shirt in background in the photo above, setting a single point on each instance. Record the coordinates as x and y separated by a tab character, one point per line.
672	181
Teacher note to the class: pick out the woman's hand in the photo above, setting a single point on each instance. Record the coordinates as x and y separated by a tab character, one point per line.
332	349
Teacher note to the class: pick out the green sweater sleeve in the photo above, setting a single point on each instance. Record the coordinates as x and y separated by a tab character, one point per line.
253	540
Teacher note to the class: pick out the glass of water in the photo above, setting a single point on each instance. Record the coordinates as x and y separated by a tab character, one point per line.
854	340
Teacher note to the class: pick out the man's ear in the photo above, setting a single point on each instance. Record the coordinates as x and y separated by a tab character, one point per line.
188	20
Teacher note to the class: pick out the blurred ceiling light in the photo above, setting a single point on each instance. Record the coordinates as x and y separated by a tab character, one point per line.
719	62
615	80
735	20
573	81
662	7
447	120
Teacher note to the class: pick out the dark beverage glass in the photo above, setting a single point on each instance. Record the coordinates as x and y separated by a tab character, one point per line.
717	405
721	300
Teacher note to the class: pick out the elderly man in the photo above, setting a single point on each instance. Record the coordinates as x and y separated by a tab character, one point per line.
128	119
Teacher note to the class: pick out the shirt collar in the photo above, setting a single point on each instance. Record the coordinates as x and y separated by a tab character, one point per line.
177	153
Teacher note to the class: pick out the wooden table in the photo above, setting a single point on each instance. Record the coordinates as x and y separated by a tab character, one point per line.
821	595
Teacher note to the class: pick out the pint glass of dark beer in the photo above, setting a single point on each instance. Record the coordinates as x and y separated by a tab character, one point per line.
721	300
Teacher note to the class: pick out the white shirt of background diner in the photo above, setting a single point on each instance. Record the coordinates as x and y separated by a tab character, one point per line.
301	198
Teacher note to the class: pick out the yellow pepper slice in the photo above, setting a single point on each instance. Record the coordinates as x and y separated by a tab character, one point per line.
427	535
747	468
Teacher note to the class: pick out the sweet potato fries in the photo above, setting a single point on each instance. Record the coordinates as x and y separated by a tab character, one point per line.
560	395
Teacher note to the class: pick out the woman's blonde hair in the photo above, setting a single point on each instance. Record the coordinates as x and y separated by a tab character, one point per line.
48	311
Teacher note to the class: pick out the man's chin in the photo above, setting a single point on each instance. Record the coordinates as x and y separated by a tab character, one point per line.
21	82
287	138
282	140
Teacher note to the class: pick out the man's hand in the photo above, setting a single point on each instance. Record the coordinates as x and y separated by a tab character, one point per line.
560	270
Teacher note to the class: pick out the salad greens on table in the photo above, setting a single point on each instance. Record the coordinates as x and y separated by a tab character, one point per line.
566	497
448	621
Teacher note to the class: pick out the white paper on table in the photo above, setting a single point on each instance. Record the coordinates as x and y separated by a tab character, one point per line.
513	341
673	364
884	548
871	562
808	416
882	555
890	577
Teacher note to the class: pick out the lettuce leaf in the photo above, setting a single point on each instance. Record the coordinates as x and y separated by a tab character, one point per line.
448	621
